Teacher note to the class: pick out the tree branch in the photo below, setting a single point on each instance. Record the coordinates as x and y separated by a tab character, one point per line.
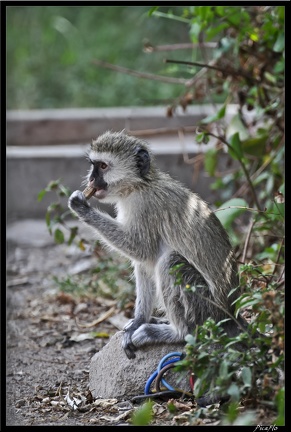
242	165
139	74
247	241
161	131
235	73
188	63
148	48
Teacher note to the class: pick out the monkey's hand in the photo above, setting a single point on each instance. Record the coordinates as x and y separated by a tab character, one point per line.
78	203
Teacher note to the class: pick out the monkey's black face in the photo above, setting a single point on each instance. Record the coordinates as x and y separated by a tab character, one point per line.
96	178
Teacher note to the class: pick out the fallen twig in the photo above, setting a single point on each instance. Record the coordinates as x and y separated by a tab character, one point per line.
97	321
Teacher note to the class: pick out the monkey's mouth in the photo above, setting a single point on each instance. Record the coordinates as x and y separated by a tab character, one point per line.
100	193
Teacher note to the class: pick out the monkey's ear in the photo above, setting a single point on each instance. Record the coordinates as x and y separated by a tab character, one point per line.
143	161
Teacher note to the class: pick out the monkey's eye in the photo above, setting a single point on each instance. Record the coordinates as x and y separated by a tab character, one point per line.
103	165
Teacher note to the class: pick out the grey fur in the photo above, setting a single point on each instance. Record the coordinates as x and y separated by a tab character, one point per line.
160	223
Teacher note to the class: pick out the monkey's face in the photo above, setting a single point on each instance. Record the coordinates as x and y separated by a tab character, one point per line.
96	178
118	164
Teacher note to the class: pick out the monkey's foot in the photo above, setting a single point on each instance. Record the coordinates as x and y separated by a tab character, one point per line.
128	346
155	333
137	335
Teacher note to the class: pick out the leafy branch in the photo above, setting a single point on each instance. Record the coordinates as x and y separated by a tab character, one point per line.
236	150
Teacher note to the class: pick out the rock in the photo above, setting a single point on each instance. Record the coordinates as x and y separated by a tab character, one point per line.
113	375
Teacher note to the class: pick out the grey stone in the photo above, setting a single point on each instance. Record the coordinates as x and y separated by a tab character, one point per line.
113	375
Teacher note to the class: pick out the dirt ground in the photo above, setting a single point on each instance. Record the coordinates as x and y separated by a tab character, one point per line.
47	351
49	342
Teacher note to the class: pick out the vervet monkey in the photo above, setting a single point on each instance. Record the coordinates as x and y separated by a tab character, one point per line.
171	236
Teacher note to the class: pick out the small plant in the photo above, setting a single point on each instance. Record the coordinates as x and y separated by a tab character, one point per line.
143	415
252	376
57	215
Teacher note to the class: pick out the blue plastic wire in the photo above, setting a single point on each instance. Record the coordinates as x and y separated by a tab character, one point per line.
162	364
153	376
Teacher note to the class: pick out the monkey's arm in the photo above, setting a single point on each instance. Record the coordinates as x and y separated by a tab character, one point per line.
145	294
108	229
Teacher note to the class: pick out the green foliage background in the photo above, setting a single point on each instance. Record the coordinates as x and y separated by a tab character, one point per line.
50	51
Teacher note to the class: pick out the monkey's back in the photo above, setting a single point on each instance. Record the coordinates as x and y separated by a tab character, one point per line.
186	224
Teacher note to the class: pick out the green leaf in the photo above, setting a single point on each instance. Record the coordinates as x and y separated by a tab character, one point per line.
254	36
59	236
280	402
205	12
255	146
48	219
195	31
152	10
223	369
202	138
190	339
64	190
53	206
143	415
225	44
271	78
227	215
232	411
280	43
210	161
101	335
245	303
234	392
203	355
236	125
235	148
246	375
279	66
217	116
213	31
220	10
74	231
41	194
82	245
52	185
